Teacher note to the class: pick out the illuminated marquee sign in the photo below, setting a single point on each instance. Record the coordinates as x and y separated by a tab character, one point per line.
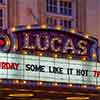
28	67
48	41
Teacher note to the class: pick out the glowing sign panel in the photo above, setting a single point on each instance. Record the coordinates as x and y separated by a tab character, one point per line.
56	43
14	66
48	41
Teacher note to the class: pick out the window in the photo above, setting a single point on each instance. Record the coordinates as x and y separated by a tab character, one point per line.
51	21
59	7
1	19
52	6
65	8
66	23
62	13
1	1
1	13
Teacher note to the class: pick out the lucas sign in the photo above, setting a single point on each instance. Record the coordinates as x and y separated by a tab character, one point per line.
48	41
27	67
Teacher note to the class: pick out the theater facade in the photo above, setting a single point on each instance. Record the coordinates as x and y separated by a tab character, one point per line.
44	63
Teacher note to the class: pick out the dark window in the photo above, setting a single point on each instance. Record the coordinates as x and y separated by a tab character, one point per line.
1	13
70	24
70	5
59	7
52	6
66	8
51	21
1	18
66	24
1	1
0	22
70	12
61	22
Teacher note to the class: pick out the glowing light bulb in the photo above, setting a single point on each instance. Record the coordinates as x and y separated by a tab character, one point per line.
70	85
58	27
55	84
55	55
13	29
86	35
84	59
40	54
28	27
16	81
40	83
44	26
72	30
94	55
84	86
97	87
0	80
24	82
70	57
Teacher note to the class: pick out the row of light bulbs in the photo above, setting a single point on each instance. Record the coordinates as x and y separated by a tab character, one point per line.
40	83
58	27
84	58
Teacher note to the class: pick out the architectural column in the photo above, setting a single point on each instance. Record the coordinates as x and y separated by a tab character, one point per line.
42	11
12	15
81	15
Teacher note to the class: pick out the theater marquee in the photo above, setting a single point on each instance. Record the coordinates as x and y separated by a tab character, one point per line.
14	66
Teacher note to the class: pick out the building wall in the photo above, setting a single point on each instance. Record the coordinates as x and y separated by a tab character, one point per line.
85	16
4	15
93	18
24	12
81	15
27	12
12	13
